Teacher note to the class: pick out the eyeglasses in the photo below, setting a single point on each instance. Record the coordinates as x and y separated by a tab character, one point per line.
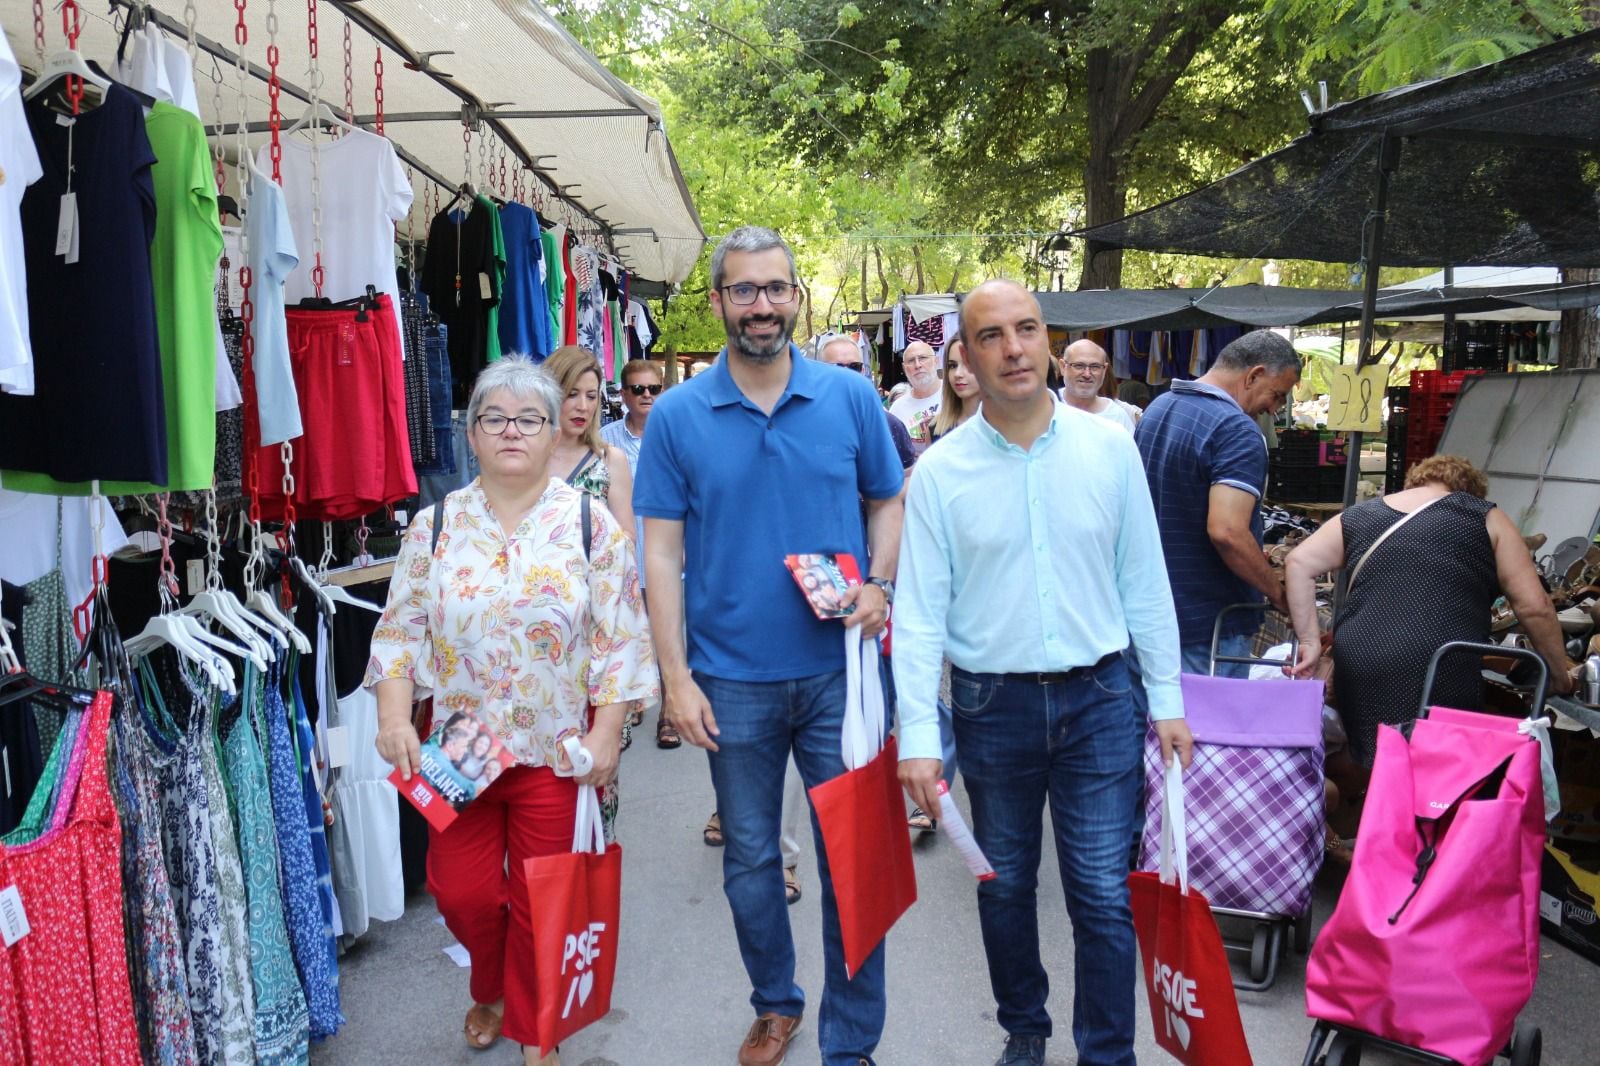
527	425
640	390
1084	368
744	293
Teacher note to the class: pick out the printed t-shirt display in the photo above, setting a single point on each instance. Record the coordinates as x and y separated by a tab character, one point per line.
94	338
364	193
273	257
19	168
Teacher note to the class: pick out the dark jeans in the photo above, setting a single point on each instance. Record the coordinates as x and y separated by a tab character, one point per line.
1076	745
760	722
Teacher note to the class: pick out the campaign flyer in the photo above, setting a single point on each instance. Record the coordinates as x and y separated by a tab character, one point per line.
825	579
460	759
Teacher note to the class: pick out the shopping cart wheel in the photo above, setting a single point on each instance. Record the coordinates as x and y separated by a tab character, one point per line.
1302	932
1527	1045
1344	1051
1259	946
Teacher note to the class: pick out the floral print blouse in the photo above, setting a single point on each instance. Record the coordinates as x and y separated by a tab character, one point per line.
521	633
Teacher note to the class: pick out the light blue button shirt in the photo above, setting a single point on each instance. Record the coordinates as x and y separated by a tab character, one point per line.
618	435
1016	561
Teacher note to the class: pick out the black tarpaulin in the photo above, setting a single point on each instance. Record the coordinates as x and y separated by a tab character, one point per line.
1500	164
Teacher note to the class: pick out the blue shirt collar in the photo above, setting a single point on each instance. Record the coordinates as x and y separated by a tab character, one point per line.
802	380
998	440
1205	388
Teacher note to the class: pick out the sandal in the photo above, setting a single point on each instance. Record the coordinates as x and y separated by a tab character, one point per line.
1338	849
482	1027
791	885
666	735
712	833
919	820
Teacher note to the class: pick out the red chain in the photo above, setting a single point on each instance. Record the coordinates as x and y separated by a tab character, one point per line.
311	26
38	27
377	92
274	108
503	185
71	26
241	32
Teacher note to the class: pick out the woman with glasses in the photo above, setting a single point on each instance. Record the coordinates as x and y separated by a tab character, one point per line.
506	617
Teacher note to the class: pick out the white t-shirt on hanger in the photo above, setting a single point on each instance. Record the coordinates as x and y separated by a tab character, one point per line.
19	168
28	530
364	193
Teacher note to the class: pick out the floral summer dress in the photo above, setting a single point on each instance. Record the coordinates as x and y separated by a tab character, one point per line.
594	477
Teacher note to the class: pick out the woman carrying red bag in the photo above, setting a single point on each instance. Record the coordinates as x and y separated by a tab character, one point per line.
504	615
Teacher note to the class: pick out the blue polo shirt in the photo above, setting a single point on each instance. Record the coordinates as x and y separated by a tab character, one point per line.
1192	437
751	488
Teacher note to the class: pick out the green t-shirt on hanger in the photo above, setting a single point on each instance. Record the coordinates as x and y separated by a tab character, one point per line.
492	345
555	284
183	265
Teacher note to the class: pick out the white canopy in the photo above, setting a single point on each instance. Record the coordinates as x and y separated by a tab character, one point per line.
600	141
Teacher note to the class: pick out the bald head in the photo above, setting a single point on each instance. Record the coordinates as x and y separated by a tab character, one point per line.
921	367
1083	368
1007	347
841	351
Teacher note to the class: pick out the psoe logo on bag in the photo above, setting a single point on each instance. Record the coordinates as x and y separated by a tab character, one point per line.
1179	994
581	949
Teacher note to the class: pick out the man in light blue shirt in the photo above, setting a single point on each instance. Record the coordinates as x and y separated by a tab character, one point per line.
1029	555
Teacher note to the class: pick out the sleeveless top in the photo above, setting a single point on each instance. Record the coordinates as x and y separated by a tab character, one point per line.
1432	582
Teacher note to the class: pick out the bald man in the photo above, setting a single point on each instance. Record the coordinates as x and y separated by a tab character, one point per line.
1083	368
920	406
1028	556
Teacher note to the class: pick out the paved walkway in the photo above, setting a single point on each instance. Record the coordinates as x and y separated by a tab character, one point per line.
682	1000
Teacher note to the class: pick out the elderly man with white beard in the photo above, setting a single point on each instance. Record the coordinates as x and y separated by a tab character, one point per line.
920	406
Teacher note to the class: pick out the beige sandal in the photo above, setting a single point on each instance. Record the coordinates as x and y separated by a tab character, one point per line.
481	1022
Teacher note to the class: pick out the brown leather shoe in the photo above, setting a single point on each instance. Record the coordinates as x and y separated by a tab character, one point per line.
768	1040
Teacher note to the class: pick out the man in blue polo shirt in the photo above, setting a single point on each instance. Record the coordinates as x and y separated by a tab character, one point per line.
1207	465
765	455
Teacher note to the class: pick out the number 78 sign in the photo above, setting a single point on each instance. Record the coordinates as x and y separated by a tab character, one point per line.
1357	399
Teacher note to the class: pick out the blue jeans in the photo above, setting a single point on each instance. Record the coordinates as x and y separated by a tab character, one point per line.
760	723
1197	656
1075	744
463	468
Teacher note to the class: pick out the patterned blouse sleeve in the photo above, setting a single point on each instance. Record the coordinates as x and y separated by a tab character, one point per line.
402	646
622	663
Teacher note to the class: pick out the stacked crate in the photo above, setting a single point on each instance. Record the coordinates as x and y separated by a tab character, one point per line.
1433	394
1307	467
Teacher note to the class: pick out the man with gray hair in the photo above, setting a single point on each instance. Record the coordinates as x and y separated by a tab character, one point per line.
767	454
921	407
1207	466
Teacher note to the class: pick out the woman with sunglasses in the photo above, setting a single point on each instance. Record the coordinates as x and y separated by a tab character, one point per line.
513	624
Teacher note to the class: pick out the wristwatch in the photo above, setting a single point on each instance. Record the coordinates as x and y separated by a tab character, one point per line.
886	585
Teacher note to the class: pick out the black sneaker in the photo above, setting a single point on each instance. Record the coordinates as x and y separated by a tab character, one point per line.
1022	1048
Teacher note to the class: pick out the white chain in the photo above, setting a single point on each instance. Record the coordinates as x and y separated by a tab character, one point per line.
189	16
327	551
213	543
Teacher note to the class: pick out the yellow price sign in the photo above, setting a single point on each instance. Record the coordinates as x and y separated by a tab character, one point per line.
1357	399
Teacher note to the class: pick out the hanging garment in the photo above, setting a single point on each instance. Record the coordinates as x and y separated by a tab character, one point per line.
555	282
364	193
419	398
436	348
569	309
155	946
274	256
366	819
641	329
64	988
929	331
93	322
47	632
524	312
209	903
297	869
29	531
491	322
282	1022
230	423
21	757
19	162
591	301
458	276
316	811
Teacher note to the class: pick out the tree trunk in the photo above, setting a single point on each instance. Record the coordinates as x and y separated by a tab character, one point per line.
883	282
916	257
1105	196
1580	330
866	301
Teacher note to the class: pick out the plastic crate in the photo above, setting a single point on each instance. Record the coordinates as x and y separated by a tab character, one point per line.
1305	483
1311	447
1426	383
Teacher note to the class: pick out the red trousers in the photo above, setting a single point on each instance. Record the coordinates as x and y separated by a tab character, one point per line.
528	812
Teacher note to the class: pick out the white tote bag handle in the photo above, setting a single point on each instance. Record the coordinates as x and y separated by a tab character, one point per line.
863	733
588	828
1174	829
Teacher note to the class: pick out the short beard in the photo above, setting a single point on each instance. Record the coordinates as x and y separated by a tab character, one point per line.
766	352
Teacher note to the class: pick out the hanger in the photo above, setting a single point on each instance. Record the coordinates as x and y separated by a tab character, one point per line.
224	610
60	65
464	190
321	111
262	603
180	633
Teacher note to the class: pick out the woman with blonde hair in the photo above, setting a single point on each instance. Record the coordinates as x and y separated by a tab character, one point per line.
581	458
960	391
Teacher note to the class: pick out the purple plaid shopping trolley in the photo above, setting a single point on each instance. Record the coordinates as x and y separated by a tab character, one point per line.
1255	805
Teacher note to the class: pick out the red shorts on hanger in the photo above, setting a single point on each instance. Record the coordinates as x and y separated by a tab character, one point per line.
355	454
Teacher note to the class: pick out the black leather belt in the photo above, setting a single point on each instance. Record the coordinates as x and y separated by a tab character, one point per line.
1059	677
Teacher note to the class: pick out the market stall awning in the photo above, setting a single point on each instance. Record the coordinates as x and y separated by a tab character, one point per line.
600	144
1495	165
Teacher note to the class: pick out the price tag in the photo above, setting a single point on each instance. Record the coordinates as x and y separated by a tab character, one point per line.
67	227
195	571
485	287
1357	399
13	919
338	739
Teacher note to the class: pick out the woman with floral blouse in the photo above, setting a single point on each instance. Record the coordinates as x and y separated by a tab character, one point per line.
507	622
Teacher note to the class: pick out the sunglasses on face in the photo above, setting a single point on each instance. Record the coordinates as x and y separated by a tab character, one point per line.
855	367
640	390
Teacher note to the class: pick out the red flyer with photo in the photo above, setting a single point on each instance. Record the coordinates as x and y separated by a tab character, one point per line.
825	579
460	759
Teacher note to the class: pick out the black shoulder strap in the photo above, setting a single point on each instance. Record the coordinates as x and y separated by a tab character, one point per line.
583	464
438	527
588	533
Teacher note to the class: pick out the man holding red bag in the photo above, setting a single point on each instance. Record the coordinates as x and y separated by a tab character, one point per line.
766	455
1029	556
